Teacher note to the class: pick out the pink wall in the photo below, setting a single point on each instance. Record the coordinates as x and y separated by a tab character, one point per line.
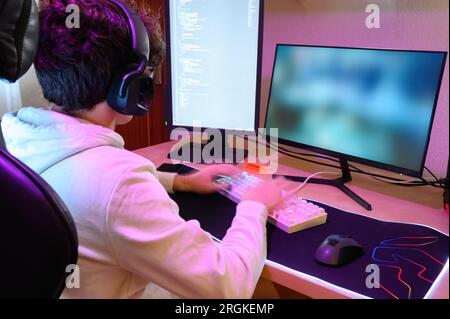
405	24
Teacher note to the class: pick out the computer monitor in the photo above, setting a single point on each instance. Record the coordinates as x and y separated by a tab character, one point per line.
214	59
371	106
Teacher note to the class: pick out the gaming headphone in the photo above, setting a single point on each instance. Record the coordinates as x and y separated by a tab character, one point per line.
131	90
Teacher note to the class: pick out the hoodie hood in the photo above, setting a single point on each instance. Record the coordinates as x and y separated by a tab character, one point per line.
41	138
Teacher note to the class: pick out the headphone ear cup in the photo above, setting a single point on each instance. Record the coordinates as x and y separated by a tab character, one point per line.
115	101
138	94
146	91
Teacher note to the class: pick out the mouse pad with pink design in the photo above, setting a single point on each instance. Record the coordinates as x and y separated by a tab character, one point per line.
409	257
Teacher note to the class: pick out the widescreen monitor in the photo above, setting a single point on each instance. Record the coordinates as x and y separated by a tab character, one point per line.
373	106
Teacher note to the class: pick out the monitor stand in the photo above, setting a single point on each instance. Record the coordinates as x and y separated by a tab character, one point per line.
221	153
338	183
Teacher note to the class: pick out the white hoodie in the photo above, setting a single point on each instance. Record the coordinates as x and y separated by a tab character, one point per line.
130	233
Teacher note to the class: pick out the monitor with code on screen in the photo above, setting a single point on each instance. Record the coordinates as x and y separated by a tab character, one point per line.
214	63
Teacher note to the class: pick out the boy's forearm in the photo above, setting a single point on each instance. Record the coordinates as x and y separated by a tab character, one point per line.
180	184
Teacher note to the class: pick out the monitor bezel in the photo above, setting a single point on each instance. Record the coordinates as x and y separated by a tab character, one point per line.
356	159
167	87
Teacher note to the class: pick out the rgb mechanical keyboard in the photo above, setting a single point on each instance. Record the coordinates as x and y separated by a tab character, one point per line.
293	215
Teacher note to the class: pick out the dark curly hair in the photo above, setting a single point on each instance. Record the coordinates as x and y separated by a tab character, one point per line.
75	66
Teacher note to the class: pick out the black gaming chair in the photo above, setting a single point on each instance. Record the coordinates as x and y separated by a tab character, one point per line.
37	235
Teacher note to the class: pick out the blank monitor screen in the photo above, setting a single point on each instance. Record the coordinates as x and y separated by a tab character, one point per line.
214	63
374	105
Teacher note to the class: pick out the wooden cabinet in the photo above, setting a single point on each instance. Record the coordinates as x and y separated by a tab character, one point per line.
149	129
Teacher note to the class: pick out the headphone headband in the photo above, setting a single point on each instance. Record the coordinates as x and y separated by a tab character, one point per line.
139	35
131	89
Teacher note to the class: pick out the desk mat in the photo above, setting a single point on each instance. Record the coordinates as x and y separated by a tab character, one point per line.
410	257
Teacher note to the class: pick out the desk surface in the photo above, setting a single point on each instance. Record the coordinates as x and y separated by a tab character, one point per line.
419	205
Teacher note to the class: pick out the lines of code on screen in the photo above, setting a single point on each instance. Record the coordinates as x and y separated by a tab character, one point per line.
214	50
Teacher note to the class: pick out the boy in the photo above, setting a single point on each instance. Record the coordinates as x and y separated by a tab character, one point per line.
130	233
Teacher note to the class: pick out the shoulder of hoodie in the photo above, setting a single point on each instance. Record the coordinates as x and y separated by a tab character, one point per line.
118	161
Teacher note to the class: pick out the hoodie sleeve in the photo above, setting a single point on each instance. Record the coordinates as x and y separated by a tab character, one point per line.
167	180
152	241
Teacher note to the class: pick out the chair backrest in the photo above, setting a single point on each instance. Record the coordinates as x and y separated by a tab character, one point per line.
2	141
19	37
38	239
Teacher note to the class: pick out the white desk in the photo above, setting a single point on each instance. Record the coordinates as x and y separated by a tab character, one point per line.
419	205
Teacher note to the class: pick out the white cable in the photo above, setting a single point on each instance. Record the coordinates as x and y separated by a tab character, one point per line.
303	185
386	180
403	182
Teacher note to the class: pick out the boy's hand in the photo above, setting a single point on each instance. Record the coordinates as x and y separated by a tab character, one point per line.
202	181
269	193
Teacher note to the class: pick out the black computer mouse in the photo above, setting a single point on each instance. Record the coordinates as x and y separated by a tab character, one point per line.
338	250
